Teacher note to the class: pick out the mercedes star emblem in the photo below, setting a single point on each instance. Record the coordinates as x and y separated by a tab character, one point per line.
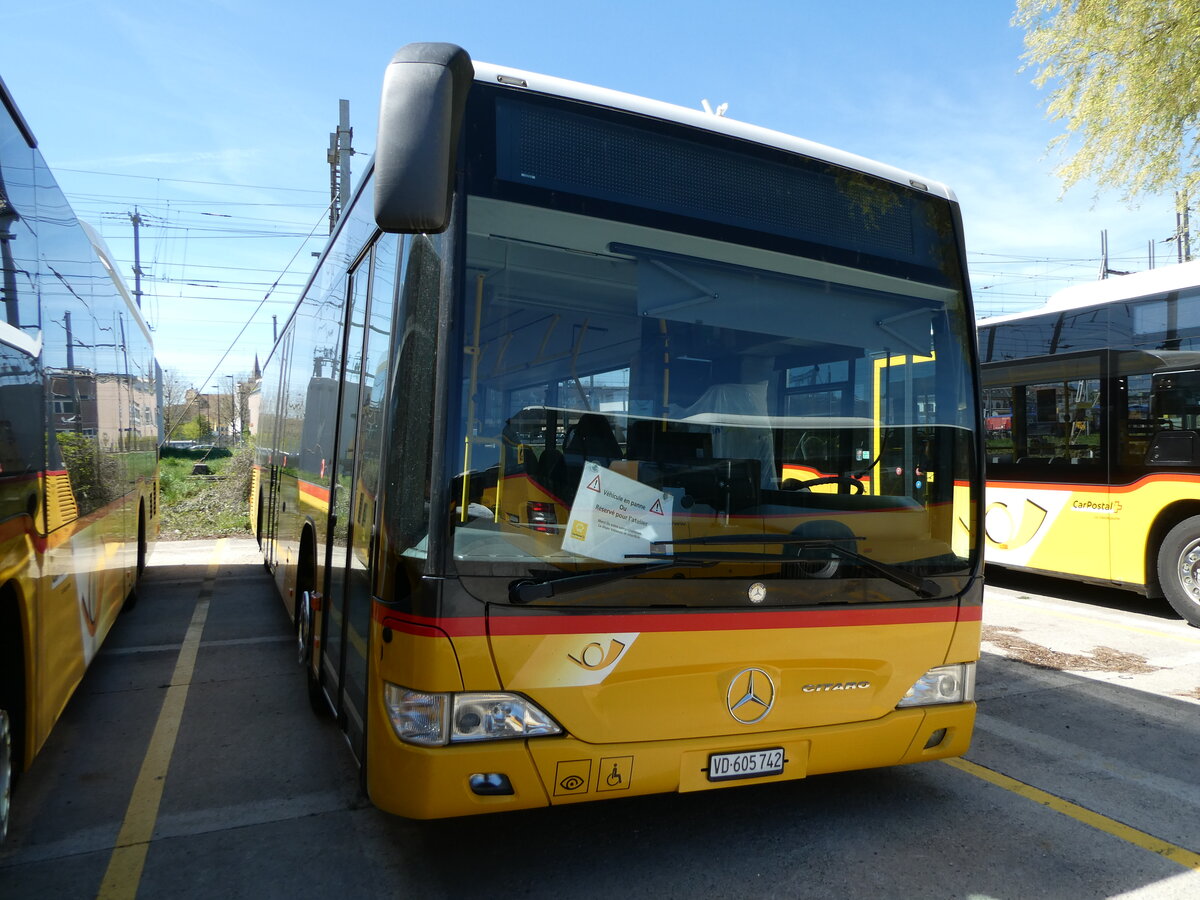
750	696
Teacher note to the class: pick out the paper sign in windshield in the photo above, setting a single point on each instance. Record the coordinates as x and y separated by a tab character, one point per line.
615	516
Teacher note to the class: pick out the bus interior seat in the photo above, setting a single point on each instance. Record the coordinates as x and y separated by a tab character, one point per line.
591	438
551	471
809	448
518	456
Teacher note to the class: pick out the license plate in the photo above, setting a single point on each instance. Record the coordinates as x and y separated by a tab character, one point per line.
746	764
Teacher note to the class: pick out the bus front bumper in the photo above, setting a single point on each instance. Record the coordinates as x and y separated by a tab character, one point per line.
436	782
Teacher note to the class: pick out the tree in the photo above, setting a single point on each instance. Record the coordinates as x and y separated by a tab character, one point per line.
174	397
204	428
1122	76
191	430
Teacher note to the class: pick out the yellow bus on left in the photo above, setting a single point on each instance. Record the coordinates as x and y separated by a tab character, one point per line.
79	429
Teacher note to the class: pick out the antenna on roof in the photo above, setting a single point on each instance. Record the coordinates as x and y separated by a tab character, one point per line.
720	110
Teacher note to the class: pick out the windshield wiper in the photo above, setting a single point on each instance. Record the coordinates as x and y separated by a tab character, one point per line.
526	591
922	587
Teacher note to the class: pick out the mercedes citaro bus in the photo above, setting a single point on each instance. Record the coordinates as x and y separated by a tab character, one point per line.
617	448
78	439
1093	435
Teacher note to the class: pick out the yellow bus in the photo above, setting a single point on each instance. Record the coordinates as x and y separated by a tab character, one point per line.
1093	435
617	448
78	448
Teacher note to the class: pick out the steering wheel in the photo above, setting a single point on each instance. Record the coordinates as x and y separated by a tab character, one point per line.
793	484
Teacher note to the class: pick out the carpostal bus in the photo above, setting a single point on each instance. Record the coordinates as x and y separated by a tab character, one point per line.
78	448
618	448
1093	435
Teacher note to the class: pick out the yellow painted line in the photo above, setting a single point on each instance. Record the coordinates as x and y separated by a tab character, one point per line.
1180	855
124	872
1153	632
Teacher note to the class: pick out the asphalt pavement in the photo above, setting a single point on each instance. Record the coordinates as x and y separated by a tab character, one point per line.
189	765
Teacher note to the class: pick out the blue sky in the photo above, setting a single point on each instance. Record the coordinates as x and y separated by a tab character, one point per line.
213	119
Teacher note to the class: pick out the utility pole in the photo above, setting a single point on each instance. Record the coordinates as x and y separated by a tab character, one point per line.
1183	237
234	431
136	219
72	383
339	164
217	441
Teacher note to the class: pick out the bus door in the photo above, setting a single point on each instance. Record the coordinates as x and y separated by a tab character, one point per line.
1050	505
270	528
903	390
356	476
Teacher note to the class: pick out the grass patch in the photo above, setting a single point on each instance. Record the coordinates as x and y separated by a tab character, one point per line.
198	507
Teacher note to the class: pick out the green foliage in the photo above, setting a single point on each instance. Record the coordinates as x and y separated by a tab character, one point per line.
200	507
1122	76
96	476
187	431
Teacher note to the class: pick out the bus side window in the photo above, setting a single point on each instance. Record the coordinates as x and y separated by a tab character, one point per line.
1062	423
1139	426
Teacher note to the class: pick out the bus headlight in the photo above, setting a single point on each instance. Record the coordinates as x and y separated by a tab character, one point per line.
419	717
944	684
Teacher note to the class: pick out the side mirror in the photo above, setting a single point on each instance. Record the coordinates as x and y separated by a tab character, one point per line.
420	116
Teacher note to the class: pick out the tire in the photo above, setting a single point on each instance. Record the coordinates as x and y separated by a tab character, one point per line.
1179	569
132	598
6	772
143	547
305	647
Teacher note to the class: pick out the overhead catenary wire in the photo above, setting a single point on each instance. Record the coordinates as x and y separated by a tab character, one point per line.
246	324
257	187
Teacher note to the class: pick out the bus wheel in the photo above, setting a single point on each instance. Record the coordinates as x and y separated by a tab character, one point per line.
1179	569
304	624
305	620
142	546
6	772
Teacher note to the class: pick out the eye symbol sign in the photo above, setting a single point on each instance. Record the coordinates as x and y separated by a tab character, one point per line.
594	656
572	776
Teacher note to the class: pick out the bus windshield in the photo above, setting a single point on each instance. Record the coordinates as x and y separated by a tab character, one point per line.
632	388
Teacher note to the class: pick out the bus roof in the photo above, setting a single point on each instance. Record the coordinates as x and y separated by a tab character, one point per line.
1111	290
697	118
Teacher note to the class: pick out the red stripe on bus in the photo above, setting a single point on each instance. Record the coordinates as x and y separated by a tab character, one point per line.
1166	477
478	626
409	626
313	490
1075	487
